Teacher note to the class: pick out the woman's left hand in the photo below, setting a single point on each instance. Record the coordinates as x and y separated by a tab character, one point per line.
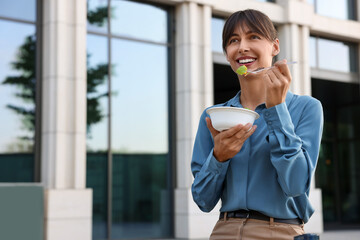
277	82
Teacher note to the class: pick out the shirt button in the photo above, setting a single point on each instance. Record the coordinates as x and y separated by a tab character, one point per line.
269	123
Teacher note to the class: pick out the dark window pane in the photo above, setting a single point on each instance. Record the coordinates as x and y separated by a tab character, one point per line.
17	101
97	15
137	20
348	121
96	178
349	159
141	196
20	9
329	131
325	179
338	169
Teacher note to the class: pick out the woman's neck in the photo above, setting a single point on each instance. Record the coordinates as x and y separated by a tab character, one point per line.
252	92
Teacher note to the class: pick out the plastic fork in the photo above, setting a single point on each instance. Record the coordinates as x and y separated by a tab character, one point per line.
262	69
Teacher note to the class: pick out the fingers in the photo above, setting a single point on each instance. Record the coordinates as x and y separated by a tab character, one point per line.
248	133
279	76
228	143
245	132
213	131
275	76
283	68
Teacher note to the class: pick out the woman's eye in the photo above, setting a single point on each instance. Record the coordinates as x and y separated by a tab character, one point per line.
255	37
233	41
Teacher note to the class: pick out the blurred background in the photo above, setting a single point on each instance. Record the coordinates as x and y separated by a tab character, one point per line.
100	102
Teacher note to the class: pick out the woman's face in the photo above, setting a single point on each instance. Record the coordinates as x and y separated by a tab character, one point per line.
251	49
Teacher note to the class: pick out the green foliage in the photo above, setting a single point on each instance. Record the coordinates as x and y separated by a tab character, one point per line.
98	16
96	76
25	82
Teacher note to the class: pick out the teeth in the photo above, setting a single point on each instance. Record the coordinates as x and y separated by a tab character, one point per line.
246	60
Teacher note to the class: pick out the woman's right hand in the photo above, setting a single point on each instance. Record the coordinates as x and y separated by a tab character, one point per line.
229	142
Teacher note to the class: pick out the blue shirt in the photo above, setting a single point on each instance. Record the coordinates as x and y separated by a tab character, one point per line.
272	171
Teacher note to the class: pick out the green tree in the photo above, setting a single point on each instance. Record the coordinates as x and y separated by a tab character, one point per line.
95	76
26	83
98	16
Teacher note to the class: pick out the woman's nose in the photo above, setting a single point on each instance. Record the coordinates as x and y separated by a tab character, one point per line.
243	46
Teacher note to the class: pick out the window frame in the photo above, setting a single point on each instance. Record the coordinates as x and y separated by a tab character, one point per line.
319	73
171	163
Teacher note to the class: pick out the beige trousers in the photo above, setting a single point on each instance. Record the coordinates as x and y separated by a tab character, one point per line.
252	229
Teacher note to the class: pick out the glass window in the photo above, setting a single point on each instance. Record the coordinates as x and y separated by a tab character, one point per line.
343	9
137	20
137	103
97	94
17	91
97	129
11	9
349	168
325	180
139	138
97	15
339	158
333	55
313	52
139	91
217	25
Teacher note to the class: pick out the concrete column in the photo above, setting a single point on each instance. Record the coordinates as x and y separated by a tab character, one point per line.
294	46
68	205
194	92
289	49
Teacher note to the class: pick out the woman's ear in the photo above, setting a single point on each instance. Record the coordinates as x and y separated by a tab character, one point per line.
276	48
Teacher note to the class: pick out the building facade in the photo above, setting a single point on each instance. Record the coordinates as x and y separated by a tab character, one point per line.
100	102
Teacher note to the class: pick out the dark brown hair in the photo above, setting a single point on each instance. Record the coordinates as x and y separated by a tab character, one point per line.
255	20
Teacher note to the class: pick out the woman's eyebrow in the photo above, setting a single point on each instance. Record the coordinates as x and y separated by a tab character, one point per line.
251	32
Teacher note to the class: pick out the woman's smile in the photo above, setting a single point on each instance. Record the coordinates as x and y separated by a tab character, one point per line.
247	61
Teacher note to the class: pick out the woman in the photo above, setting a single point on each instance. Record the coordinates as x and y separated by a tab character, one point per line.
261	173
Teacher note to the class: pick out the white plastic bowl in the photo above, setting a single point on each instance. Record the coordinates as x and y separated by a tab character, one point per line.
223	118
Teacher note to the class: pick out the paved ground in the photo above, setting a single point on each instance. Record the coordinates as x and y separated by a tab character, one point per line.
341	235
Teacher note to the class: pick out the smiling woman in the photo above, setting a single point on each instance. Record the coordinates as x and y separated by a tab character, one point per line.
272	159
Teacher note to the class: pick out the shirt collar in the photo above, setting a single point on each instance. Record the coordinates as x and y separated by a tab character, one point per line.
235	101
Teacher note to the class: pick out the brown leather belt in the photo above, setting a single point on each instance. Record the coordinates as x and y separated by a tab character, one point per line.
259	216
